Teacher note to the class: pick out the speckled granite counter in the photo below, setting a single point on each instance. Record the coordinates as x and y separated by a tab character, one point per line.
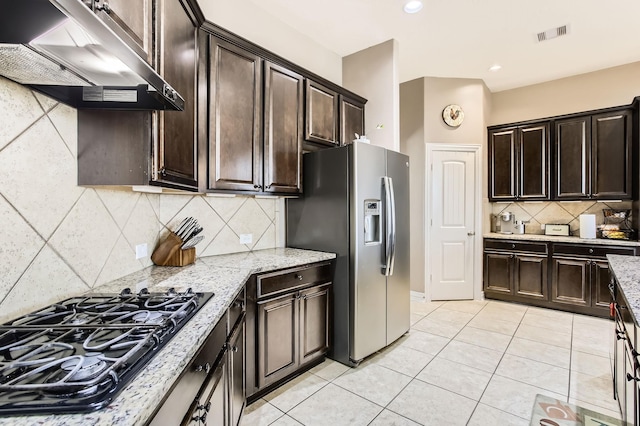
627	272
224	275
559	239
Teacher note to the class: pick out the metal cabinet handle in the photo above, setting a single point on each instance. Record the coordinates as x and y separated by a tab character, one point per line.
206	368
513	246
471	234
239	304
201	419
299	277
205	407
257	186
512	256
632	378
234	349
591	251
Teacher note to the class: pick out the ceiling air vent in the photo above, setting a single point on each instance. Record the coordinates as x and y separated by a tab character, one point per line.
553	33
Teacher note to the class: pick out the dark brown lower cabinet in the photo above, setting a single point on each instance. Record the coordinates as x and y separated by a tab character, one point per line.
292	331
511	270
567	276
288	316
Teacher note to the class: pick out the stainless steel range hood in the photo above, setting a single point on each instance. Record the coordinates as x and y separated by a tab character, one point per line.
62	49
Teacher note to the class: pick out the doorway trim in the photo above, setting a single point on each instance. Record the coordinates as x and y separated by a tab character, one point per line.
478	216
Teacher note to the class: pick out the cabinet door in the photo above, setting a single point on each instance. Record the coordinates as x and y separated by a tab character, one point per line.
132	20
236	375
314	323
502	164
277	338
533	162
283	114
611	155
530	276
177	138
235	111
351	119
571	281
600	278
321	111
497	272
572	158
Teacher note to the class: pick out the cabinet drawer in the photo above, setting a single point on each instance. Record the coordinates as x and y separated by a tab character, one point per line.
515	246
292	279
599	251
237	308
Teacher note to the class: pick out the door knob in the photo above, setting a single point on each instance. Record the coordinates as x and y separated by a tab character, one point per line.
471	234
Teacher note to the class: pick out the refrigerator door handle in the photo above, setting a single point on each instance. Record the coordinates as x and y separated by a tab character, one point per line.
389	217
392	261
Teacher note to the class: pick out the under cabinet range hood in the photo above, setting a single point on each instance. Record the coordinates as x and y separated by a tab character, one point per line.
64	50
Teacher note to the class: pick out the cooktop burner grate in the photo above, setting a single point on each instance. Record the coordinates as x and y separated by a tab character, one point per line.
76	355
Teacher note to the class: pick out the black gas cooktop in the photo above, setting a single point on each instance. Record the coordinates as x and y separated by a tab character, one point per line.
76	355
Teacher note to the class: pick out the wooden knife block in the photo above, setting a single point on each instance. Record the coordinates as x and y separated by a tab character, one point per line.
168	252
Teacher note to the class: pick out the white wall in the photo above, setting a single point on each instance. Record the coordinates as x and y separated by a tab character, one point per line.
257	25
412	143
600	89
373	74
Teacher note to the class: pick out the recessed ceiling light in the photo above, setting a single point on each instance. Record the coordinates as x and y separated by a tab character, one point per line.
413	6
495	68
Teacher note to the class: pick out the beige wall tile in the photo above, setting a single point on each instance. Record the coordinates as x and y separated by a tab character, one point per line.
19	105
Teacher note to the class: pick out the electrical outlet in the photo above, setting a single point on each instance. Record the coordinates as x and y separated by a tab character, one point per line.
246	238
542	226
141	251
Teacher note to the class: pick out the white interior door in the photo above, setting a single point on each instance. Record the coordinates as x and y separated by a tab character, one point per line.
452	227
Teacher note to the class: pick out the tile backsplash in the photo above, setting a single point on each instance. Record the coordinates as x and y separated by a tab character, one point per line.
59	239
556	212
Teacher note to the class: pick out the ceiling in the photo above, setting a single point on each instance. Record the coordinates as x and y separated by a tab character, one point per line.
463	38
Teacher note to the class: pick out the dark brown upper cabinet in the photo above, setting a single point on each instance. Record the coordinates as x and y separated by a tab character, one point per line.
177	61
593	156
235	112
283	127
351	119
321	111
519	163
131	20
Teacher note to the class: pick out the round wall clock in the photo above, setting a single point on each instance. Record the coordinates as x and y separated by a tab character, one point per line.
453	115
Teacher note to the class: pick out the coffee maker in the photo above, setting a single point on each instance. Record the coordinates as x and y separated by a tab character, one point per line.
505	223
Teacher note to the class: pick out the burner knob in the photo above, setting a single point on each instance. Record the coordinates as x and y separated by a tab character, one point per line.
143	292
125	292
171	291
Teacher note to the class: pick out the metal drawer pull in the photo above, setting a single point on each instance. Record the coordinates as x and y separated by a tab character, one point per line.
298	276
513	246
205	407
206	368
235	349
201	419
590	250
630	378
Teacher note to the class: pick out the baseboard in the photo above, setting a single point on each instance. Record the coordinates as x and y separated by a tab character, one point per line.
417	296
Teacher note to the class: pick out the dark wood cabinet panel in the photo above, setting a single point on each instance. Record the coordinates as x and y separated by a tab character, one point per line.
351	119
314	323
235	111
283	127
177	146
519	163
497	272
570	282
572	157
502	164
611	155
530	276
277	338
593	156
321	114
533	162
600	294
134	18
236	375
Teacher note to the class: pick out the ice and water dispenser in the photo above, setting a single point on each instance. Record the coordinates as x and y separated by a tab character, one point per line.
372	229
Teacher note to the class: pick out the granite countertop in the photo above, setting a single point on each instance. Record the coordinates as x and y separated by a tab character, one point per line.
561	239
224	275
627	272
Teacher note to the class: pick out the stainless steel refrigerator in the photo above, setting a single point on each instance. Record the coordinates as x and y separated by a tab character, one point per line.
356	204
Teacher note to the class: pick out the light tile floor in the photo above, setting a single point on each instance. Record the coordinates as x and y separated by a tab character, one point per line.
462	363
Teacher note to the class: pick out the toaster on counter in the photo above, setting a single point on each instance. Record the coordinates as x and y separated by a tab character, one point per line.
554	229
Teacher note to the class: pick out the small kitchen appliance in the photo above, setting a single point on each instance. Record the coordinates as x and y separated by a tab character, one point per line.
557	229
507	222
77	355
